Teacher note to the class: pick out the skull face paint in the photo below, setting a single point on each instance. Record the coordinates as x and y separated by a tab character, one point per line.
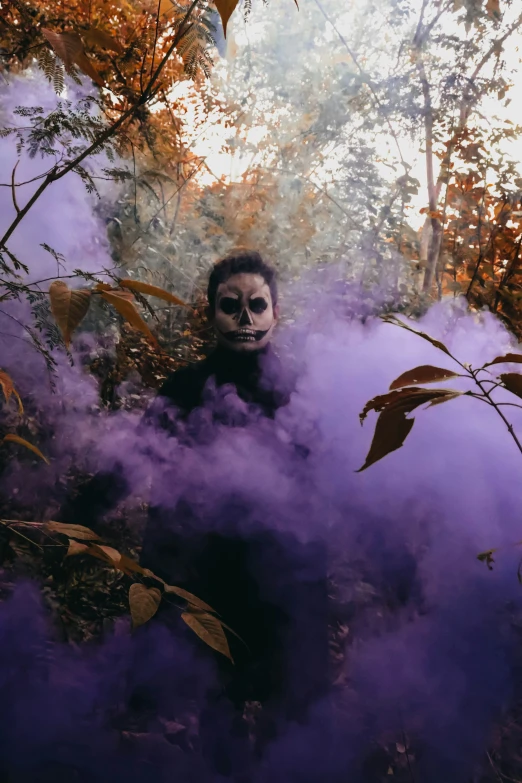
245	315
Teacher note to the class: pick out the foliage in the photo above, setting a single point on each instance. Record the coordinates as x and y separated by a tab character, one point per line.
393	426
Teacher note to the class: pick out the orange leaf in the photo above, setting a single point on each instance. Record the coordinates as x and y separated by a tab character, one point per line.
69	307
7	386
152	290
225	9
126	309
69	48
97	37
10	438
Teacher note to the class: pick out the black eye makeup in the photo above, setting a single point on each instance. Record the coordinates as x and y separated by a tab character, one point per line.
258	305
229	305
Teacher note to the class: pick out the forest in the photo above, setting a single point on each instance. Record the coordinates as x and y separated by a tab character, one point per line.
334	592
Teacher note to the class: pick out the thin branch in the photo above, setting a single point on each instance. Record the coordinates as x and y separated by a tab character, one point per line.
13	187
56	174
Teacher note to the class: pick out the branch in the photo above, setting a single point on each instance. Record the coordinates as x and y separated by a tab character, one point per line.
148	92
372	90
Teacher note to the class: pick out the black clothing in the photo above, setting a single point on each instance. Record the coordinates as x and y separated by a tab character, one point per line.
286	657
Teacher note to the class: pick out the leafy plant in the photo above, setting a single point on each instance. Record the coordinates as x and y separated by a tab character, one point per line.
393	425
9	390
147	591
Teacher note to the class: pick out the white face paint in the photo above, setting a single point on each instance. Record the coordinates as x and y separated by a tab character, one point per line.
244	315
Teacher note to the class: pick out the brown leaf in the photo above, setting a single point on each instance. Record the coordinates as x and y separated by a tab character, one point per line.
209	629
71	531
493	8
126	309
391	431
66	45
11	438
423	374
97	37
152	290
509	358
7	386
513	382
69	307
69	48
143	602
392	426
391	319
109	555
225	9
404	400
75	548
189	598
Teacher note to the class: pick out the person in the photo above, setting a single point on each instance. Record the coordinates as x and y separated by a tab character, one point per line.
282	658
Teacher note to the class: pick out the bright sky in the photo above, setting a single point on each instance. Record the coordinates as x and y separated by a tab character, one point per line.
231	166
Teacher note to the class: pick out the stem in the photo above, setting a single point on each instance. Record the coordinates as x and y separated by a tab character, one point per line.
487	395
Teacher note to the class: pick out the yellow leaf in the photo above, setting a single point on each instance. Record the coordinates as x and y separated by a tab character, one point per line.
22	442
152	290
209	629
68	307
71	531
128	311
189	598
75	548
7	385
69	48
97	37
143	602
225	9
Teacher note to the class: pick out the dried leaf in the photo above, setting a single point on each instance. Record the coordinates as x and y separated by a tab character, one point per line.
108	554
152	290
487	558
493	9
391	319
225	9
10	438
66	45
513	382
126	309
405	400
143	602
97	37
71	531
7	386
69	307
391	431
75	548
189	598
69	48
209	629
423	374
509	358
392	426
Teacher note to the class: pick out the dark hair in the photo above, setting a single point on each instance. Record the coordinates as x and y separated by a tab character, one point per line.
240	262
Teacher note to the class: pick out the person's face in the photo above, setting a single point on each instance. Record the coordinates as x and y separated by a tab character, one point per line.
244	316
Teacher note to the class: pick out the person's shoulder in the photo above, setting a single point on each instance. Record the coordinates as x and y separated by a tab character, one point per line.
183	386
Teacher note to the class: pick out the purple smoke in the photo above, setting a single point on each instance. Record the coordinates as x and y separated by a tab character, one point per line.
430	651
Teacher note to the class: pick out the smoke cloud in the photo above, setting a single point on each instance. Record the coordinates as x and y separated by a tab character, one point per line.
430	651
